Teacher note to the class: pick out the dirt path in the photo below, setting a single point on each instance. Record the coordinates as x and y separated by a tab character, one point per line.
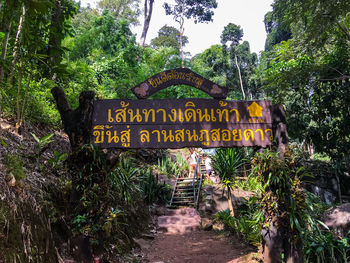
180	239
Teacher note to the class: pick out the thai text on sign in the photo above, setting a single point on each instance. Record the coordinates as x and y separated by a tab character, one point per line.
172	123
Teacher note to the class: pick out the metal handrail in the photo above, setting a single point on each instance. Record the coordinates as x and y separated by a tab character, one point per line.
199	190
172	196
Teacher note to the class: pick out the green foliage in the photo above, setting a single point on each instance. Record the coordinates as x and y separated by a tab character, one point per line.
104	203
247	223
276	33
200	11
227	163
154	191
57	160
314	20
172	168
125	181
308	72
231	33
107	64
126	9
14	165
282	195
323	246
320	243
42	143
315	108
168	36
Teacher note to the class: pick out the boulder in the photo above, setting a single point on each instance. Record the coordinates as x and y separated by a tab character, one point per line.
338	219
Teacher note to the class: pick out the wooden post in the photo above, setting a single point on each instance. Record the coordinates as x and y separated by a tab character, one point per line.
77	123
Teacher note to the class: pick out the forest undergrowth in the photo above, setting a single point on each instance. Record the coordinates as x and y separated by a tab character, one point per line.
49	207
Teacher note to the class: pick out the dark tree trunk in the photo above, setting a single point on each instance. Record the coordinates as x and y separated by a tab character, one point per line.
277	238
4	49
77	123
147	14
280	129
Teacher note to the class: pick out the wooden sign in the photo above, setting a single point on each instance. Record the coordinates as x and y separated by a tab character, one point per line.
178	76
172	123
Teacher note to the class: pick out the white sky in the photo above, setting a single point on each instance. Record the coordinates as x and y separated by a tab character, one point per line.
249	14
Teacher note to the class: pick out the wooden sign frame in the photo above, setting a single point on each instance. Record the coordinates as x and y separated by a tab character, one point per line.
178	76
180	123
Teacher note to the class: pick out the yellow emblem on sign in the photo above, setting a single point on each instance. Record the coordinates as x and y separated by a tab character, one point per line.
255	110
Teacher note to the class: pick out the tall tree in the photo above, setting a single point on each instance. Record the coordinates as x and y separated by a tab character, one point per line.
232	35
201	11
310	73
147	13
168	36
32	38
317	18
127	9
276	32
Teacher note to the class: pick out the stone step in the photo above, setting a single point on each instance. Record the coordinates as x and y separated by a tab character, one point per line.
183	194
189	199
179	220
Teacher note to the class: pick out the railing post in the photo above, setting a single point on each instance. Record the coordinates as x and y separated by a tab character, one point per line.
194	178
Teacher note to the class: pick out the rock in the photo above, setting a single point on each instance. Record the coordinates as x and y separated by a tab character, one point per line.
338	218
209	198
147	236
179	221
11	180
208	189
206	224
143	243
208	207
161	210
218	226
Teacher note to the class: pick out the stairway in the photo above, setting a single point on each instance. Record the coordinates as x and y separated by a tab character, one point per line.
184	193
187	190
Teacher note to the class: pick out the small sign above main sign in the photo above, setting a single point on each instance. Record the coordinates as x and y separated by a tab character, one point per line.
178	76
172	123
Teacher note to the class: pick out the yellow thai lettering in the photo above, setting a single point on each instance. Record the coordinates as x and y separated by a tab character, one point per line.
271	134
158	134
110	118
114	137
152	83
147	113
215	135
180	135
261	133
164	114
212	115
190	114
169	137
125	137
201	138
226	135
237	114
136	116
120	115
181	116
221	114
237	135
248	134
203	117
172	117
144	136
192	137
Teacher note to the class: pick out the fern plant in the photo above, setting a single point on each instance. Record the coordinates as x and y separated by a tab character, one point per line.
227	163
